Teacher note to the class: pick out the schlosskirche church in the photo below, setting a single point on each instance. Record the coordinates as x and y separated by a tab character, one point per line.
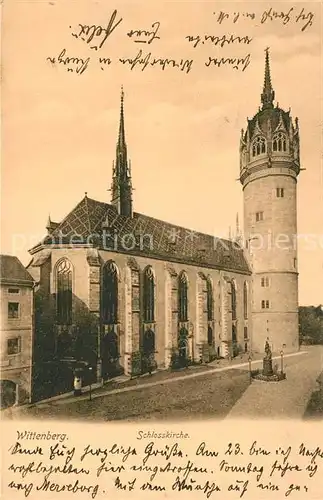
122	292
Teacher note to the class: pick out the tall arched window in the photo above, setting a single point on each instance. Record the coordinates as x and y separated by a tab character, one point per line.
279	142
149	295
233	301
183	297
110	294
258	146
64	292
209	300
245	300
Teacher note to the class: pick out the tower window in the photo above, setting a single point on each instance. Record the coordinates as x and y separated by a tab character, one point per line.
259	216
110	294
14	346
245	300
265	304
183	297
233	301
279	142
258	146
265	282
280	192
149	295
64	292
209	300
135	291
13	310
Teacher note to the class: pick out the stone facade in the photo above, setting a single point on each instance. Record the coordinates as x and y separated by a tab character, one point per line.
17	333
87	265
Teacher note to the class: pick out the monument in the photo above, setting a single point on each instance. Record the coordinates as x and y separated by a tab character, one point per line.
268	374
267	361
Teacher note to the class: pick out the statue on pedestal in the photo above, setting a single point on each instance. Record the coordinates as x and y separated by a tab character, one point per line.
267	361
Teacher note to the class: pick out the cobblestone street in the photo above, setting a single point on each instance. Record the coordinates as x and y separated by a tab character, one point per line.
207	392
204	396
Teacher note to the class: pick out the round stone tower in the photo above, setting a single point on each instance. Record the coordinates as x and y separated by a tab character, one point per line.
269	166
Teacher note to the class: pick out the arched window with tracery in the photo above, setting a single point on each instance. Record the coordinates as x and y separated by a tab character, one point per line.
110	294
258	146
183	297
149	295
64	292
233	301
245	300
279	142
209	300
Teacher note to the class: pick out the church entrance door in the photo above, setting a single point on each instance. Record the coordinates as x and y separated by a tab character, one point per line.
148	351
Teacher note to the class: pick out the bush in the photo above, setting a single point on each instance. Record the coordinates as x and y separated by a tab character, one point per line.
136	362
177	362
148	364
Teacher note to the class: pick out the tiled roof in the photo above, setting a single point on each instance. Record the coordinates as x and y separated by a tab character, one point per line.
273	115
12	270
92	221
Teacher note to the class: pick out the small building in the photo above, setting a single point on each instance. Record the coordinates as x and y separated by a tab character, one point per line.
17	332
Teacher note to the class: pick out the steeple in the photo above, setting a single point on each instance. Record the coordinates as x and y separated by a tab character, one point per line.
268	94
49	224
121	138
121	179
238	232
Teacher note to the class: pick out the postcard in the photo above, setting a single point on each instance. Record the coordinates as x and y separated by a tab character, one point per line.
161	261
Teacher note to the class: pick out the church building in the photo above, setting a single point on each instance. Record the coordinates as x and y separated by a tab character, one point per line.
122	292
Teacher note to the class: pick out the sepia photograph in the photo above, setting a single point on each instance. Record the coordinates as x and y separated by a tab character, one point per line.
162	211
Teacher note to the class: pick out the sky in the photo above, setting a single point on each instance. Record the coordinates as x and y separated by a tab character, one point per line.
59	127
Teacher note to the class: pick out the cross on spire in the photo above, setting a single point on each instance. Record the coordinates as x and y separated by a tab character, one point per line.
268	94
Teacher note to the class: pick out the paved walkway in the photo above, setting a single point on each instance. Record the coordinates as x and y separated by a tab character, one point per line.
286	399
98	391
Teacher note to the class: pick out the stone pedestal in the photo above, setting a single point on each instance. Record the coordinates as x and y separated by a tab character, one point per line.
267	367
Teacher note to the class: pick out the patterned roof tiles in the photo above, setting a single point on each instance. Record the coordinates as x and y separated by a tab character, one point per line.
96	223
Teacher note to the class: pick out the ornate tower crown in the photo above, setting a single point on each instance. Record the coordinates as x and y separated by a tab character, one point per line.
271	136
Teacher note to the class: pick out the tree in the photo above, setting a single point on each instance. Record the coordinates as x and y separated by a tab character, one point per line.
311	323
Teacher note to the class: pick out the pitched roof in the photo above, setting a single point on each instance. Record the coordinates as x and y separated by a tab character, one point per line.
99	223
12	270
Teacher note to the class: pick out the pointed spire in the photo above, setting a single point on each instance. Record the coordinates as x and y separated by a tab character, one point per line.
121	178
49	223
121	138
238	232
121	154
268	94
